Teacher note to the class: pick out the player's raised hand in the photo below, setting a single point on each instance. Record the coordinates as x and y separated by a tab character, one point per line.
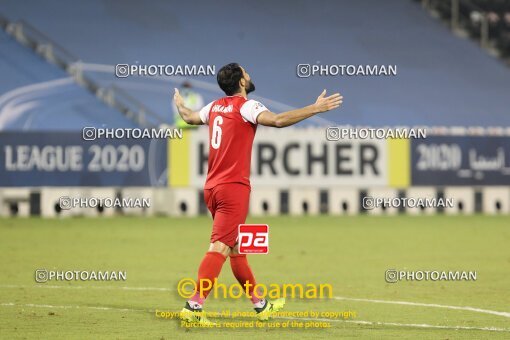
324	103
178	100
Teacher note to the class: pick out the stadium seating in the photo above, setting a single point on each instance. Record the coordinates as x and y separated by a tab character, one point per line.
471	16
35	95
473	84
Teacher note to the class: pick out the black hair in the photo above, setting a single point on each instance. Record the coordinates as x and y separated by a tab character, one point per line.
228	78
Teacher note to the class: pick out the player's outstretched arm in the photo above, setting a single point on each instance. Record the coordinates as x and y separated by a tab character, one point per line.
190	117
292	117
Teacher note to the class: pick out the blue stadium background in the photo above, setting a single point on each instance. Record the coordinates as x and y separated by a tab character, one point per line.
442	80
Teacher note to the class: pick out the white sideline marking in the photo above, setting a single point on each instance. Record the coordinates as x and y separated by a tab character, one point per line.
11	304
471	309
42	285
416	325
431	305
495	329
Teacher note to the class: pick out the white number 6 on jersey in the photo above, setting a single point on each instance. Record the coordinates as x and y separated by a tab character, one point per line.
216	132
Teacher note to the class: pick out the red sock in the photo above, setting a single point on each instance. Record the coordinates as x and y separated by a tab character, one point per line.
209	269
243	274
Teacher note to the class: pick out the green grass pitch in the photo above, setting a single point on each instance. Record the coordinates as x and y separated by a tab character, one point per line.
350	253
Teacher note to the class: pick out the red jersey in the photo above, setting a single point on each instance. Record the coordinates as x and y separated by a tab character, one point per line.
232	124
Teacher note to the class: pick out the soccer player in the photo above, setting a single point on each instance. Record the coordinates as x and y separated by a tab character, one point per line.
232	124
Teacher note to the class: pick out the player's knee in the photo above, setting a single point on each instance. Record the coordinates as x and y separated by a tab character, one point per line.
235	251
220	247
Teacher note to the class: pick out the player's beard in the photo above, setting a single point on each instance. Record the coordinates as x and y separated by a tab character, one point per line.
250	88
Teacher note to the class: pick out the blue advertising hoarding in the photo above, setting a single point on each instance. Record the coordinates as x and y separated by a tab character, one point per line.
66	159
460	160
